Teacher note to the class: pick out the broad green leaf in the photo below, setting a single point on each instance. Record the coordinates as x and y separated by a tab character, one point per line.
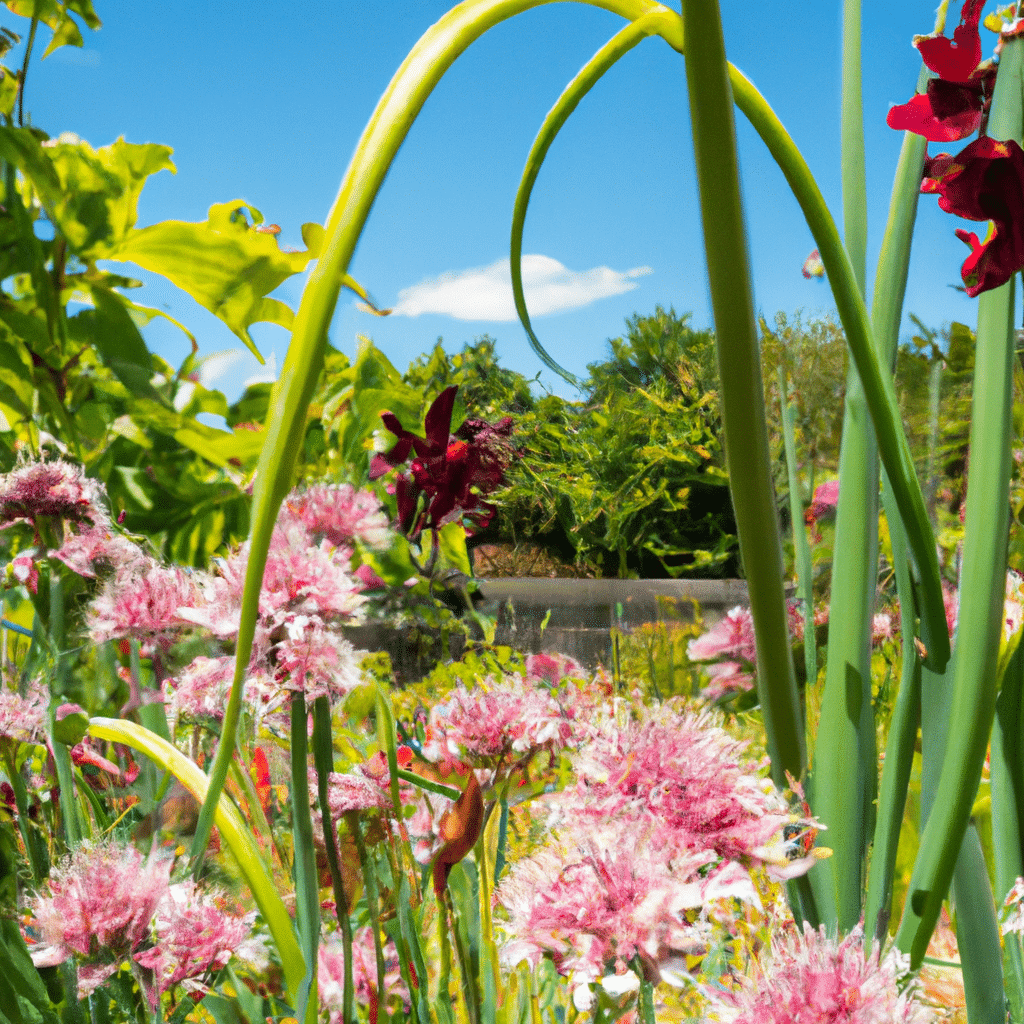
452	538
224	263
239	448
21	148
99	191
67	33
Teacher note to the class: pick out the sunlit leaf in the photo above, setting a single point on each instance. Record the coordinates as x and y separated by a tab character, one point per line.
99	192
223	263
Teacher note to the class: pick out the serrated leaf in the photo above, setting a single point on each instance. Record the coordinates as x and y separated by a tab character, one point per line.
226	265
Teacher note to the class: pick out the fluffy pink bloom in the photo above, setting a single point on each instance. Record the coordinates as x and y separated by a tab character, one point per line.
201	689
143	604
101	901
100	545
810	978
495	721
598	893
331	976
56	489
316	660
192	934
725	679
339	514
684	769
23	719
356	791
731	639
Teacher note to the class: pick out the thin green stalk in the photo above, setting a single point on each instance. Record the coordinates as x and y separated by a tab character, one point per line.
469	986
879	391
977	934
372	898
855	193
323	758
801	546
1007	777
899	761
743	413
307	889
645	997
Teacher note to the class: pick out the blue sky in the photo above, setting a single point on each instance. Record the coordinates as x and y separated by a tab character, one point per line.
265	102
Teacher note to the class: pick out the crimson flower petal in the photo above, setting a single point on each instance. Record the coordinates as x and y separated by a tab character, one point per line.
919	116
955	59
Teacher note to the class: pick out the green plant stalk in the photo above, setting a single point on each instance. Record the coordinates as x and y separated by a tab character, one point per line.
1007	787
323	758
469	985
307	888
879	391
973	695
801	546
372	899
899	761
855	198
1007	778
843	760
394	115
490	977
233	830
619	45
743	413
645	996
977	934
35	850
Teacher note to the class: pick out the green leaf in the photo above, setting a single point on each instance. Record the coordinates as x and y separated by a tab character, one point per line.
224	263
8	91
97	204
452	538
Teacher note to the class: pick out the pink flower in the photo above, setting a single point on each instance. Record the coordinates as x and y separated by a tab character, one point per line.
101	901
23	719
55	489
24	570
201	689
732	638
339	514
143	604
1012	912
192	936
316	660
100	544
496	721
810	978
684	769
553	667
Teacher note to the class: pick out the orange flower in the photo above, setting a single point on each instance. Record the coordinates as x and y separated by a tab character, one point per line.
460	829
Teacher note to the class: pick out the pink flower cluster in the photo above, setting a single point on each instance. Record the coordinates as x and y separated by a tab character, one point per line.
23	719
498	720
107	904
729	646
648	849
809	978
59	494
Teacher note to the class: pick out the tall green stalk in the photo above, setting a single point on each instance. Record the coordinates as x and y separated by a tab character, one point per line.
974	672
739	361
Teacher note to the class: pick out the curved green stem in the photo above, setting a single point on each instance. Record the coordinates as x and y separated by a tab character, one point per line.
394	115
879	392
661	23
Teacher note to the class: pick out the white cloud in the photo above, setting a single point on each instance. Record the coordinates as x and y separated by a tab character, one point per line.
485	293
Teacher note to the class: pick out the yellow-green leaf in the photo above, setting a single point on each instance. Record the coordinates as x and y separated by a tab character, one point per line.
225	263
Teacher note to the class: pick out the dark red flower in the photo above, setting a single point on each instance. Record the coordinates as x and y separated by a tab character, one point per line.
985	181
955	103
453	471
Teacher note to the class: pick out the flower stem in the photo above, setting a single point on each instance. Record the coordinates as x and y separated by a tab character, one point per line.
743	413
